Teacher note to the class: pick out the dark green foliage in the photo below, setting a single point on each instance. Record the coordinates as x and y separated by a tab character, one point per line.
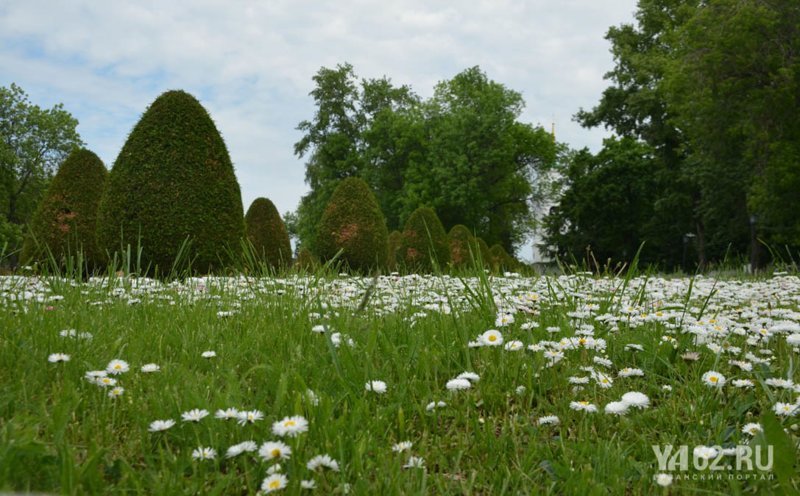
66	220
501	260
463	152
10	240
353	222
606	204
483	249
173	180
394	259
267	234
306	261
462	246
424	241
33	143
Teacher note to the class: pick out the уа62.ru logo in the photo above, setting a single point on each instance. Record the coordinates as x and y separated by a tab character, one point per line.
740	458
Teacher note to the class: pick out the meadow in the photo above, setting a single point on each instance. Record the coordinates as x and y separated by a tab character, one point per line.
440	384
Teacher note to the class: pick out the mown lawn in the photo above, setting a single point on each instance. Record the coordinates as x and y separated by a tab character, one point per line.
709	358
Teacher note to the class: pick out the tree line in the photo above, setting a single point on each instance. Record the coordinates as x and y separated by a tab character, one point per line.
702	164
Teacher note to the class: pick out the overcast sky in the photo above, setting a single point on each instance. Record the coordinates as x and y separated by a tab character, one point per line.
250	63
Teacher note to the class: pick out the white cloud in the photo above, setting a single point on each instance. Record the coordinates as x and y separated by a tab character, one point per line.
251	62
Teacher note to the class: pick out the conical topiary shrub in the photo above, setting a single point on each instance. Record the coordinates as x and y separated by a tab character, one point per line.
173	180
66	220
353	222
424	241
267	234
306	261
462	247
501	260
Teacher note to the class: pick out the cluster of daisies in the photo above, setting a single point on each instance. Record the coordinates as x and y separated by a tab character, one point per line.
273	451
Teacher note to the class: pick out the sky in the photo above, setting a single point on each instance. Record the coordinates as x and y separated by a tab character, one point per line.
250	63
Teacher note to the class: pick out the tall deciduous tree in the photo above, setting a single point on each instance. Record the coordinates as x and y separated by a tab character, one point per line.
33	142
635	106
735	87
463	152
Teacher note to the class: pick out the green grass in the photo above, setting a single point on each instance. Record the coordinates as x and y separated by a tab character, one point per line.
60	433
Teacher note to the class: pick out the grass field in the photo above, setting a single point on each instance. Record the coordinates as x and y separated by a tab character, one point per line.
404	385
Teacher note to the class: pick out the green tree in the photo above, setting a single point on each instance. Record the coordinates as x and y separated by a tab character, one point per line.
462	246
636	106
33	142
480	162
734	87
606	204
173	180
66	220
335	141
463	151
353	223
267	234
425	241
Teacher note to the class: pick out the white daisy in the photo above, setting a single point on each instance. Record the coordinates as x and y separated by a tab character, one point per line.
160	425
208	354
238	449
458	384
402	446
470	376
752	428
617	408
492	337
323	461
548	420
116	392
636	399
275	450
415	462
195	415
116	367
149	368
583	406
290	426
714	379
378	387
274	482
249	417
58	357
202	453
227	414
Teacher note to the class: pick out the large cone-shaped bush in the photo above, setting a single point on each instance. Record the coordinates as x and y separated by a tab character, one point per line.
501	260
463	247
65	221
267	234
173	180
353	222
424	240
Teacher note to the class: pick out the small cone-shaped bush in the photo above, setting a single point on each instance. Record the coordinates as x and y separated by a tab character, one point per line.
424	240
267	234
395	258
501	260
66	220
486	254
353	222
173	180
306	261
462	247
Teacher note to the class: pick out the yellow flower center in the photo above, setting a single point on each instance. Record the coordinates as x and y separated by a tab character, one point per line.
713	379
275	484
275	453
289	423
492	337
